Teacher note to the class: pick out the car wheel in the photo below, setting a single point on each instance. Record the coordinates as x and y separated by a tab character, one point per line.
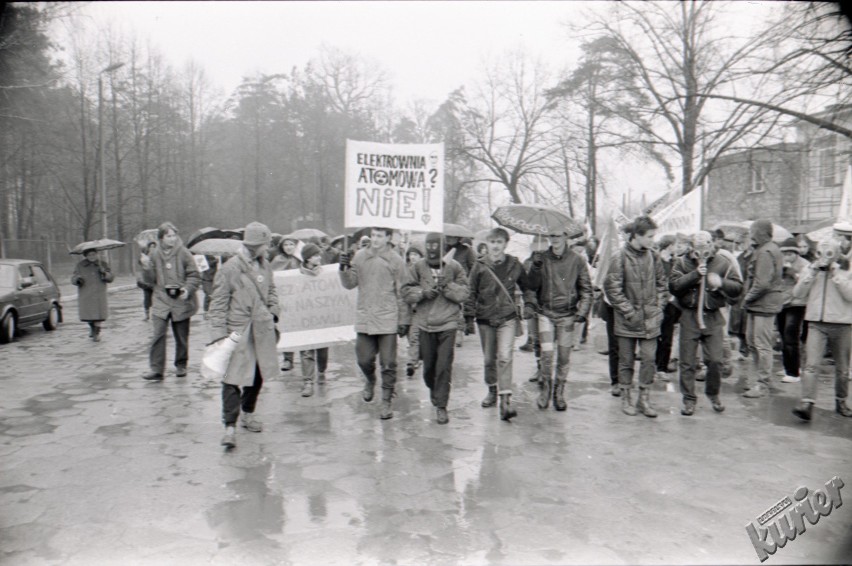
52	320
7	328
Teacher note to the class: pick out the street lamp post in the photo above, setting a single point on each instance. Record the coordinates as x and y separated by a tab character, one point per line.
101	165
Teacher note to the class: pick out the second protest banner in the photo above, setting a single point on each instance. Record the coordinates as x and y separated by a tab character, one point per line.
398	186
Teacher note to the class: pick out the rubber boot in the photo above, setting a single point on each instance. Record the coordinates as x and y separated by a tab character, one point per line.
841	408
387	412
626	402
803	410
643	405
507	413
544	385
308	388
369	389
490	399
559	395
96	333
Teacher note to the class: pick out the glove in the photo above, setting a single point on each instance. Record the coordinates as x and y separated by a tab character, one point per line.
344	260
402	330
580	320
469	327
430	294
537	260
529	312
275	318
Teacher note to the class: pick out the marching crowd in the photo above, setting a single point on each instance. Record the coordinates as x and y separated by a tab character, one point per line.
715	287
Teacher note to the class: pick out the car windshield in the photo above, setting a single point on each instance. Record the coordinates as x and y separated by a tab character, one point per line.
7	276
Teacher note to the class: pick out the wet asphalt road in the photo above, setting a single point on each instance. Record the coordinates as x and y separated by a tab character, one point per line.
98	466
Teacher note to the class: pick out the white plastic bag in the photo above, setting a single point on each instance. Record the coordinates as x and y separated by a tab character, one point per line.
216	357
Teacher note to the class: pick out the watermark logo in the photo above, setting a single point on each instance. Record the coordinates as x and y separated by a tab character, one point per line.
770	534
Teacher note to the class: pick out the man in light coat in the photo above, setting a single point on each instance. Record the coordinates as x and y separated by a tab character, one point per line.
379	273
245	305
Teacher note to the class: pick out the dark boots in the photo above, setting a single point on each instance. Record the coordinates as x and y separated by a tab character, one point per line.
544	386
841	409
490	399
803	410
507	413
643	405
369	389
387	412
559	395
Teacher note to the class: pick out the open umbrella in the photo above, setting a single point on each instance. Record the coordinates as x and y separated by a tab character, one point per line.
308	233
536	219
217	246
779	233
210	232
457	231
145	237
97	245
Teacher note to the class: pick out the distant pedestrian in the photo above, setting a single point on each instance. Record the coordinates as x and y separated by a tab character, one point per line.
207	277
245	305
91	277
763	301
175	278
438	290
286	258
671	312
379	273
637	289
315	361
791	318
144	283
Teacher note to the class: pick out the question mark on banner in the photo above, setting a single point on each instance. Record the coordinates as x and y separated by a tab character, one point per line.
433	173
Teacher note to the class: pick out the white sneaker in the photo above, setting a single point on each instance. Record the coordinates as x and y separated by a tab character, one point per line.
790	379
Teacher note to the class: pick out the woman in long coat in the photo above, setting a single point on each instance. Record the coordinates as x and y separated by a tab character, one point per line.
91	277
245	303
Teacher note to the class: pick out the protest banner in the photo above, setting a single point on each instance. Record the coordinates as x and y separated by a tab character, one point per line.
398	186
315	311
683	215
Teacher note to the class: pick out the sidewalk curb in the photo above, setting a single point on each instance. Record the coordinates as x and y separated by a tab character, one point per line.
73	298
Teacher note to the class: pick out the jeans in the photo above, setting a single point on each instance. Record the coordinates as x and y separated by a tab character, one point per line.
760	334
232	399
367	347
790	325
839	339
561	332
157	355
712	340
671	315
627	358
608	315
497	345
313	361
437	350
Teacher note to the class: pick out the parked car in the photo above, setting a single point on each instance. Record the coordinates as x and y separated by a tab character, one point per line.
28	296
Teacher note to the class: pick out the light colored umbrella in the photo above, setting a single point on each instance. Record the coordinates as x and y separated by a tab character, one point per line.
536	219
217	246
97	245
308	233
779	233
457	231
145	237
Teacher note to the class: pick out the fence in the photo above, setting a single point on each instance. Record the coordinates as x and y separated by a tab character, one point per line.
54	255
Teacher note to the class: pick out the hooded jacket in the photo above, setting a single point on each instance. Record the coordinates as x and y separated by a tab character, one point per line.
562	284
685	282
765	296
636	287
828	295
380	277
442	312
488	303
173	267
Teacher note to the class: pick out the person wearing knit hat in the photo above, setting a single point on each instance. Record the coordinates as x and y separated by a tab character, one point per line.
790	319
244	308
286	258
762	303
412	256
314	362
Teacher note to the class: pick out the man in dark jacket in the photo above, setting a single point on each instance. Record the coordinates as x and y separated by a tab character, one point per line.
721	281
438	289
560	279
671	314
494	280
637	290
763	301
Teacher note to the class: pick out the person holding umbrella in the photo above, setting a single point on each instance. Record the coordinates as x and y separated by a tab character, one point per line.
314	361
175	277
91	277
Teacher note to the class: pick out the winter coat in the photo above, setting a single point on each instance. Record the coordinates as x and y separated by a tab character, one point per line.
442	312
283	262
789	277
685	281
636	287
173	267
562	284
829	297
380	277
765	296
488	303
91	280
245	300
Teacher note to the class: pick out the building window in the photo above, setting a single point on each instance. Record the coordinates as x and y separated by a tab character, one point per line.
757	184
826	170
